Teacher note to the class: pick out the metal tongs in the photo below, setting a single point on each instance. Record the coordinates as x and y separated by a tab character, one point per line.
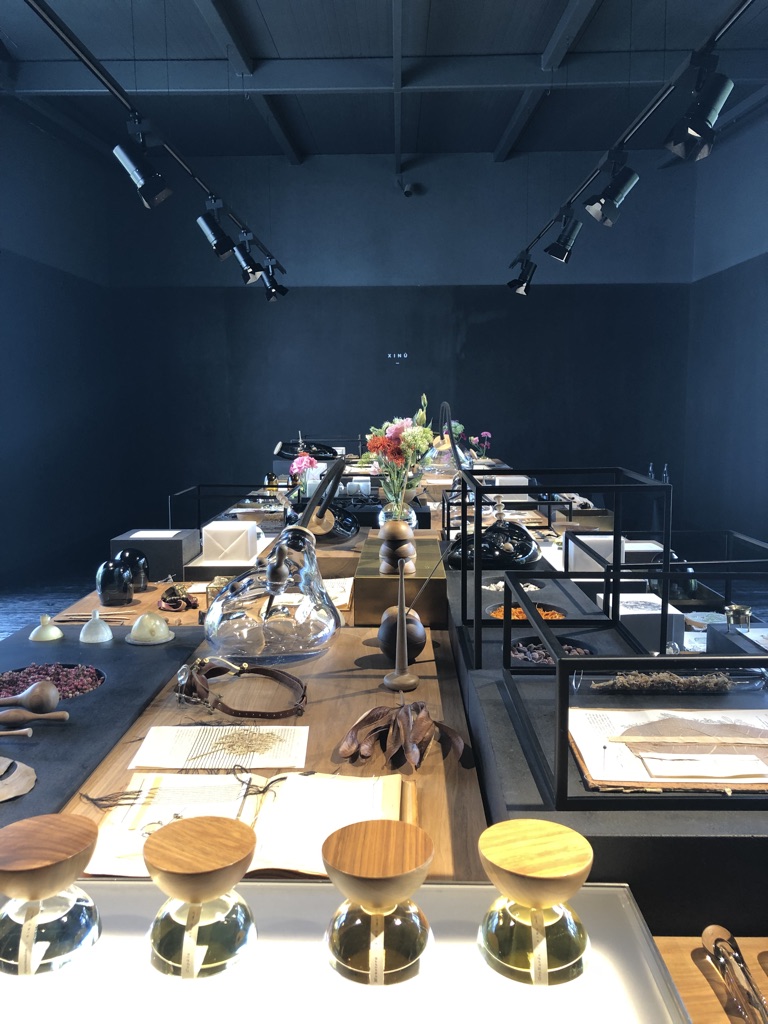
725	954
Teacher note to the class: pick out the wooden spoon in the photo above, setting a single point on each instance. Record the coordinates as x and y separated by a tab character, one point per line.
40	696
19	716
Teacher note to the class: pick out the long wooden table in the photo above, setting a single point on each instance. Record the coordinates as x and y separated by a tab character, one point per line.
342	684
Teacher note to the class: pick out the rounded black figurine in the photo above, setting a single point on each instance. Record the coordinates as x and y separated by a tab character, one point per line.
113	583
136	561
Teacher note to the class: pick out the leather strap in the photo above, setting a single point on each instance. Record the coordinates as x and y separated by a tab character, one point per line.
194	683
177	599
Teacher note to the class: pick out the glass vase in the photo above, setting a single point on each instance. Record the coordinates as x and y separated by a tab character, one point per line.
282	612
398	510
223	927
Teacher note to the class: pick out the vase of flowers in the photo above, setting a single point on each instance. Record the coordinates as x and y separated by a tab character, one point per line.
397	447
300	467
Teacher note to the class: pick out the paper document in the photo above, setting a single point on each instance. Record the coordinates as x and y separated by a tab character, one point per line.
222	747
655	746
292	814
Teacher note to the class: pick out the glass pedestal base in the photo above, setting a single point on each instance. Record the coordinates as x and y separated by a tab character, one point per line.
377	949
544	947
37	936
196	940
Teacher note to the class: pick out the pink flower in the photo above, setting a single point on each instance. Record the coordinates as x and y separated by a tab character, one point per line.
302	463
474	440
485	433
395	430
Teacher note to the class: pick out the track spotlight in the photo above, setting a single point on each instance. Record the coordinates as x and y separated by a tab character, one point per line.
252	270
220	241
523	280
693	135
605	207
273	289
561	249
149	183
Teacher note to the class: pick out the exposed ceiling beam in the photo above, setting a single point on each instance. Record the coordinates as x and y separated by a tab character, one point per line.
226	36
572	21
264	106
744	109
374	75
233	45
524	111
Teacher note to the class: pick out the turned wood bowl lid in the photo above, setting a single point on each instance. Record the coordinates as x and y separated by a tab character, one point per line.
199	859
378	864
396	529
43	855
535	863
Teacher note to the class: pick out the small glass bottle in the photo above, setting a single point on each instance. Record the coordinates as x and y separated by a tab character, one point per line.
665	474
650	472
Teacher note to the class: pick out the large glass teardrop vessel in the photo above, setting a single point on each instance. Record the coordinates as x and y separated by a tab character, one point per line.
278	613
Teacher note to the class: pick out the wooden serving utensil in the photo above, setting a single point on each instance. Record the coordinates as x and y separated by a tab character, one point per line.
20	716
16	732
40	696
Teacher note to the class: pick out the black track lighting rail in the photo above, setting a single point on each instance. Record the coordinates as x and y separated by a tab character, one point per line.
698	58
84	55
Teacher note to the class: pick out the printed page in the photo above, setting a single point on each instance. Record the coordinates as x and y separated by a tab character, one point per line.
222	748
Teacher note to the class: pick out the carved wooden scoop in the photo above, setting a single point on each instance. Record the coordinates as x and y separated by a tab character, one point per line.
39	697
20	716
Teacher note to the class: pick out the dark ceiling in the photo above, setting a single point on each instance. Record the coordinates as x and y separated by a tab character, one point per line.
407	78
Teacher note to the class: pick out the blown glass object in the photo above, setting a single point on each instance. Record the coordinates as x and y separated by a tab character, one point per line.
277	613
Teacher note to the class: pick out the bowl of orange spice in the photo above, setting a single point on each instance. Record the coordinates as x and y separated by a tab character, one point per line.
546	611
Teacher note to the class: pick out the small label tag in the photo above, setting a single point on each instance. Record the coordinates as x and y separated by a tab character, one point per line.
377	955
31	953
539	965
192	955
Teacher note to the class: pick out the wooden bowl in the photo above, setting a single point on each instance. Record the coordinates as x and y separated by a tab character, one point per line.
378	864
199	859
535	863
44	855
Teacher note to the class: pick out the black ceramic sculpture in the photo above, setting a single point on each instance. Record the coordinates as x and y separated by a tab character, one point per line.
113	583
136	562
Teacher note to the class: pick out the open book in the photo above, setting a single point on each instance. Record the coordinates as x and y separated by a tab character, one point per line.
292	815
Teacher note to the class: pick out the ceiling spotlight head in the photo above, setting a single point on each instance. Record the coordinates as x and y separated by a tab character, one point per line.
693	135
605	207
561	249
252	270
271	286
521	283
149	183
220	241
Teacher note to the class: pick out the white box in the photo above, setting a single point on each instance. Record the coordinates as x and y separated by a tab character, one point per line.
641	614
601	544
231	541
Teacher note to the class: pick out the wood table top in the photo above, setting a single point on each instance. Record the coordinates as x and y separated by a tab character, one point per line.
342	684
699	984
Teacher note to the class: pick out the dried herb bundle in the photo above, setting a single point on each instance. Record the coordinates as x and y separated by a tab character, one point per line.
408	728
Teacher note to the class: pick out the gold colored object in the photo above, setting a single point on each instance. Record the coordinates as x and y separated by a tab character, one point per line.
374	592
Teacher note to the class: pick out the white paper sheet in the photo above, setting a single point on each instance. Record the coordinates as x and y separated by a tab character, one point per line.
223	747
598	732
292	818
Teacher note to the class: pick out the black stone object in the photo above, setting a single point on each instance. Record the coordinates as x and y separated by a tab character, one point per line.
114	584
136	561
